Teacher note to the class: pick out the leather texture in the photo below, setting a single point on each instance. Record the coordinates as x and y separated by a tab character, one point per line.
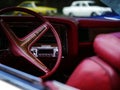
107	47
100	72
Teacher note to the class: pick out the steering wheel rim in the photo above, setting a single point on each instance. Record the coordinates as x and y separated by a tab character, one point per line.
21	46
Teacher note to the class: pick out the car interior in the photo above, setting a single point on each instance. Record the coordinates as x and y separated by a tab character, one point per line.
79	52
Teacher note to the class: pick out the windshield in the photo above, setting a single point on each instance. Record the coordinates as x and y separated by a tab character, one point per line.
65	8
114	4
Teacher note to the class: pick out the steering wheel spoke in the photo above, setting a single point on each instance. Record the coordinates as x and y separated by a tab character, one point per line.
10	35
32	37
31	58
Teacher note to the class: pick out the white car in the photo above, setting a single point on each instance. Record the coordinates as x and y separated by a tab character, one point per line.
85	9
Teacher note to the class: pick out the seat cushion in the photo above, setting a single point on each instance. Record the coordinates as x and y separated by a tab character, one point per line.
107	46
94	74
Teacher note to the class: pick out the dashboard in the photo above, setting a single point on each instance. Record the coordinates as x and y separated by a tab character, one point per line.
46	46
45	49
89	28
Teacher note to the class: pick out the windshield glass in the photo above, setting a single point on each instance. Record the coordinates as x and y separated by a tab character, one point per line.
65	8
114	4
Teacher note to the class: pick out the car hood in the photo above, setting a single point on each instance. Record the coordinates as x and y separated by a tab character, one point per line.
48	8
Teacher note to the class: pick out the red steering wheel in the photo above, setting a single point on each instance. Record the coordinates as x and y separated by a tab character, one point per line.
21	46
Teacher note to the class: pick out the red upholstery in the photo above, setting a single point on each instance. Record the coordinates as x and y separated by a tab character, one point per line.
100	72
108	48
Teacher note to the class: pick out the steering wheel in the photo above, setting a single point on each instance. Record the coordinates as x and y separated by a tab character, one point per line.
21	46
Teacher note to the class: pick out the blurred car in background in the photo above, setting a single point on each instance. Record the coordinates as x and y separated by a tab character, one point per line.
36	6
85	9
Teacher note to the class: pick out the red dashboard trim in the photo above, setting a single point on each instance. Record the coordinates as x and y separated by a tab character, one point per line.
84	22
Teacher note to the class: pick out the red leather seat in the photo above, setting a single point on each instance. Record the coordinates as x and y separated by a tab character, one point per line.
100	72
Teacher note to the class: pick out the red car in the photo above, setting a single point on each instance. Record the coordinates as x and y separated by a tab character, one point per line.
82	53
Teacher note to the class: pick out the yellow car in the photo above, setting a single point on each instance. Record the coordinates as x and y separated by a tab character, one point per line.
36	6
